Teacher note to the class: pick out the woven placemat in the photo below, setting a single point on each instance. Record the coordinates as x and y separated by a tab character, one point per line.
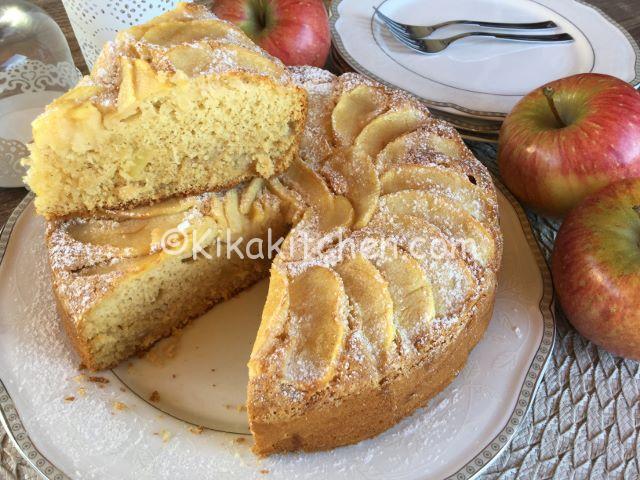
585	420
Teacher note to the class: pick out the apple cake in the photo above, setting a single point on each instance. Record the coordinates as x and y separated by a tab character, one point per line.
385	281
183	104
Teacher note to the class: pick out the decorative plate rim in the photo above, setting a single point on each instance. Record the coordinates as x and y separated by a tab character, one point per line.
337	41
10	419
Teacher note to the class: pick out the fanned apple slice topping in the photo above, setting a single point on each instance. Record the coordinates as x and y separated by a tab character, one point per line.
193	59
445	182
355	109
370	300
386	127
442	137
413	302
334	211
467	233
249	194
356	179
274	317
424	143
451	279
168	34
317	327
136	234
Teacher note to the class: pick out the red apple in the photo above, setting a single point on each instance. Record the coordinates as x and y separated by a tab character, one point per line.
295	31
570	138
596	268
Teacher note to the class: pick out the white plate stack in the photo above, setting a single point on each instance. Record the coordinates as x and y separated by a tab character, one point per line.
475	82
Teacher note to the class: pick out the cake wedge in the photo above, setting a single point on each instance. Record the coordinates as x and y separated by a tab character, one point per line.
181	105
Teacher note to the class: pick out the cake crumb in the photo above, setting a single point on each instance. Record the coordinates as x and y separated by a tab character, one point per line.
99	380
82	392
165	350
70	398
122	389
264	471
82	366
79	378
196	430
165	435
154	397
119	406
241	408
240	440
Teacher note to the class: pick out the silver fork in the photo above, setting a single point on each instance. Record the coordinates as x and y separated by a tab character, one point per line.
423	31
435	45
426	45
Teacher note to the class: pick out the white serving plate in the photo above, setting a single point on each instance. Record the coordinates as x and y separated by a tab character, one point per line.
481	77
459	433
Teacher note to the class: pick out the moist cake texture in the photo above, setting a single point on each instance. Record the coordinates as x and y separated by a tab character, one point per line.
183	104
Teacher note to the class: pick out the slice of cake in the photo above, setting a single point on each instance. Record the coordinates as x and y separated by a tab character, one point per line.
127	278
181	105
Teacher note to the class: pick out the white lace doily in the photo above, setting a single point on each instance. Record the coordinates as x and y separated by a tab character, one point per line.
95	22
31	76
25	89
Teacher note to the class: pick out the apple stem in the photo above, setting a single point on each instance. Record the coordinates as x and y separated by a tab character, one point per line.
548	93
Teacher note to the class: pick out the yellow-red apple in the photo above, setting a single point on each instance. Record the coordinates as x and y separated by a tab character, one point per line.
570	138
596	268
295	31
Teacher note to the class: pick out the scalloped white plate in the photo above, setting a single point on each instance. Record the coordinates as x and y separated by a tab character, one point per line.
459	433
481	77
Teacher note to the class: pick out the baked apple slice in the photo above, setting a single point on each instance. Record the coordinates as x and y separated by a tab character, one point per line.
334	211
165	207
385	128
423	143
249	194
413	303
317	327
193	59
370	300
169	34
274	318
443	181
451	278
356	179
466	233
355	109
135	235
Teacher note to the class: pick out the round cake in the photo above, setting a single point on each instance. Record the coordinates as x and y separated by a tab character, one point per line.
383	283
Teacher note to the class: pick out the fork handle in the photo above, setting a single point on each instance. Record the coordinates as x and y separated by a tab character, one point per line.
526	26
558	37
